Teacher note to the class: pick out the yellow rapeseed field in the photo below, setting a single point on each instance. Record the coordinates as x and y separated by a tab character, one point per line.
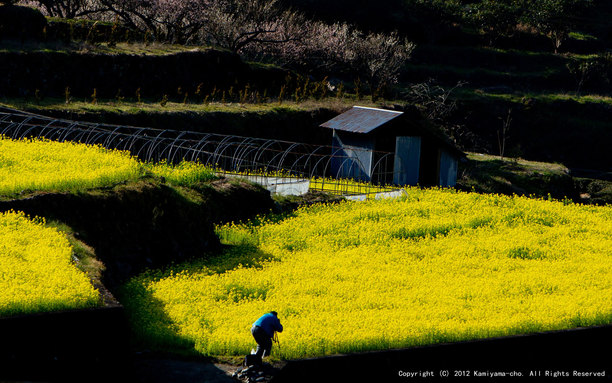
37	164
44	165
349	187
434	266
183	173
36	269
36	273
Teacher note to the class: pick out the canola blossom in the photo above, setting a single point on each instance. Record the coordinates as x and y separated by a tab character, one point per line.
349	187
36	270
434	266
340	186
39	164
184	173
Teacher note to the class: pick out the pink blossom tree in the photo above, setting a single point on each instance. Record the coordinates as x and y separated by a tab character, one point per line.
241	24
339	47
256	28
69	9
168	20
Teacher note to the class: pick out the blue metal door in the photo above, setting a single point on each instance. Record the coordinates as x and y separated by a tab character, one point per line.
407	160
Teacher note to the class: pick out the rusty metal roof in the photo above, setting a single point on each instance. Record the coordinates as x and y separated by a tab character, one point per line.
360	119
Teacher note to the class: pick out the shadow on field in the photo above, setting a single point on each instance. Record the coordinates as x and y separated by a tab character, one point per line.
152	329
162	369
144	311
230	257
577	355
151	363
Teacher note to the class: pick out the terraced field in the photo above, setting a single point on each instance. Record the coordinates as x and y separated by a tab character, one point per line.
434	266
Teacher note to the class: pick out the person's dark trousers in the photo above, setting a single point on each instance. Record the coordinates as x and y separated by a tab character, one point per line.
264	341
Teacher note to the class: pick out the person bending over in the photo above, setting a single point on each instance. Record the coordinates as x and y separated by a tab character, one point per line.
263	331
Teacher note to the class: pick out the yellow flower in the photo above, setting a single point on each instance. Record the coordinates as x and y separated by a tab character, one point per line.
435	266
36	164
36	269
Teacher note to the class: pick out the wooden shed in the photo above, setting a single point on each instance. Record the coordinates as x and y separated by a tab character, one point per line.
364	138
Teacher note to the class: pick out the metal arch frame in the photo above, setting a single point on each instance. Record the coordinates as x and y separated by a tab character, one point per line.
170	147
271	163
144	147
348	158
177	149
196	152
5	116
157	150
98	135
311	173
282	152
149	145
57	132
383	157
21	124
89	134
132	140
288	151
248	149
353	161
42	130
203	142
327	163
240	152
227	152
9	127
221	147
80	133
329	160
64	132
264	148
292	170
155	144
111	137
6	128
306	155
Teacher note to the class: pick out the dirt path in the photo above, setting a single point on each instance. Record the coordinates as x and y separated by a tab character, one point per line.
161	369
164	370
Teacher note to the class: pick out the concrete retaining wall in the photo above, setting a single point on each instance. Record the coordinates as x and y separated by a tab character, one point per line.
383	195
277	185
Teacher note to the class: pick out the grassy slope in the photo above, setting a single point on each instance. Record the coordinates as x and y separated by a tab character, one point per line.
520	73
130	106
493	174
141	49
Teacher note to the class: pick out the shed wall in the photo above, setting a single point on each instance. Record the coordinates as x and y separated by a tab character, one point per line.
407	160
448	169
352	156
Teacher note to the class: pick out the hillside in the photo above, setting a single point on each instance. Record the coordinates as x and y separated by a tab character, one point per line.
555	100
559	99
479	275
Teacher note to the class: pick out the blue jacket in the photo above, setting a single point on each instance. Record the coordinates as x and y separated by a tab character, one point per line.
269	323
